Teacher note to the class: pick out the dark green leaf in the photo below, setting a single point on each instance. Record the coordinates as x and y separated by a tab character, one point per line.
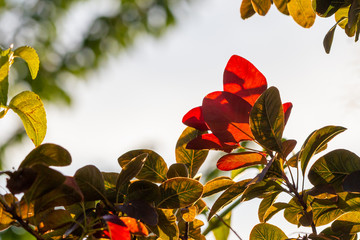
166	228
55	219
267	120
217	185
261	189
316	141
326	8
140	210
179	192
143	190
193	159
351	182
155	167
347	223
29	55
91	182
267	231
110	179
21	180
178	170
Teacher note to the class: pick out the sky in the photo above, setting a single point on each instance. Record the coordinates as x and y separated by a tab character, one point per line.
137	99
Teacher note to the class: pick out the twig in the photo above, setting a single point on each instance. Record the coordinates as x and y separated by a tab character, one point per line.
227	225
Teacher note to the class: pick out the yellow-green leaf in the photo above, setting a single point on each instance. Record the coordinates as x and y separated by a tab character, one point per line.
347	223
217	185
265	231
4	80
261	6
342	13
31	111
178	170
302	12
91	183
166	228
29	55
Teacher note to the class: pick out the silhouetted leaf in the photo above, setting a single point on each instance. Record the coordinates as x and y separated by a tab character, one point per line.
193	159
177	170
316	141
328	39
239	160
347	223
267	120
154	169
246	9
288	147
91	182
131	169
135	227
29	55
31	111
261	6
333	167
143	190
353	15
194	231
351	182
217	185
267	231
21	180
228	196
166	228
326	8
47	154
140	210
302	12
179	192
328	234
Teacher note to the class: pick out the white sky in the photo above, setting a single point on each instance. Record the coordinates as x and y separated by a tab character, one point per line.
138	99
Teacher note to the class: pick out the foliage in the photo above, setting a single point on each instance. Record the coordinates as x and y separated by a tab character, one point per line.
149	200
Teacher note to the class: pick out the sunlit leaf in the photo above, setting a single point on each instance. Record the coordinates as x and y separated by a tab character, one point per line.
217	185
193	159
194	231
200	206
228	196
179	192
261	6
188	214
267	231
342	13
246	9
140	210
167	228
239	160
221	231
265	204
154	169
210	141
287	107
31	111
143	190
29	55
194	118
91	182
242	78
328	234
333	167
135	227
347	223
47	154
131	169
4	79
261	189
117	228
302	12
281	5
267	120
5	217
316	141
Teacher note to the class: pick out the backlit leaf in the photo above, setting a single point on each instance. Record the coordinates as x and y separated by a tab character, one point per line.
31	111
222	231
246	9
342	13
188	214
261	189
267	231
117	228
167	228
265	205
281	5
4	79
302	12
287	107
193	159
316	141
178	170
333	167
110	179
91	182
194	118
347	223
228	196
267	120
179	192
135	227
154	169
210	141
242	78
239	160
54	219
47	154
131	169
227	115
29	55
5	217
261	6
216	185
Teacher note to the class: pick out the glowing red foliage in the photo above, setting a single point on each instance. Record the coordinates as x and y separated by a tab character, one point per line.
239	160
194	118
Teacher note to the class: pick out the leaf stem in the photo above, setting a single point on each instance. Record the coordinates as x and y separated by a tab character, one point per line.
222	220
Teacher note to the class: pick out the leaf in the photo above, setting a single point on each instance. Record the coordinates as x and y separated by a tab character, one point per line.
222	231
288	147
302	12
21	180
143	190
353	15
328	39
179	192
131	169
47	154
267	231
210	141
342	13
347	223
246	9
5	217
110	179
243	79
281	5
188	214
167	228
55	219
117	228
261	189
333	167
287	107
216	185
140	210
228	196
193	159
4	79
351	182
154	169
316	141
91	182
239	160
194	118
328	234
265	204
326	8
31	111
267	120
194	231
135	227
261	6
178	170
29	55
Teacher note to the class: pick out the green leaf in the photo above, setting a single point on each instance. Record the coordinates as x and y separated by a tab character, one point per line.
131	169
155	167
302	12
328	234
265	204
315	142
228	196
31	111
4	79
143	190
246	9
328	39
267	120
91	182
166	228
193	159
47	154
110	179
261	189
29	55
333	167
55	219
222	231
351	182
261	6
267	231
347	223
178	170
217	185
179	192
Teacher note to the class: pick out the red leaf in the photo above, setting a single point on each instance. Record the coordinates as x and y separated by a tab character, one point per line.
287	110
227	116
210	141
242	78
194	118
117	228
135	227
239	160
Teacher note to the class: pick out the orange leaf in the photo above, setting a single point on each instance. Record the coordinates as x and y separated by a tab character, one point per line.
135	227
117	228
194	118
239	160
